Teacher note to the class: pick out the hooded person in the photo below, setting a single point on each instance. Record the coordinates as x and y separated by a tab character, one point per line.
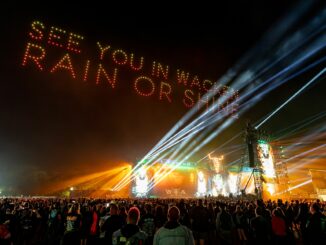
173	232
130	233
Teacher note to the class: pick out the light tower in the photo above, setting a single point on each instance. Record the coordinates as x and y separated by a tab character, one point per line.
250	159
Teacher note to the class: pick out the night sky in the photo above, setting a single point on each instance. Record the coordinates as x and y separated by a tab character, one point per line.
53	127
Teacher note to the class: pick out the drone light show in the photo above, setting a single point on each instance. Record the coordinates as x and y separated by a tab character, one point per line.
150	78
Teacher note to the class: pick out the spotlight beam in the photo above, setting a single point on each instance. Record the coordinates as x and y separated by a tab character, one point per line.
167	172
293	96
247	105
257	97
299	125
271	37
302	154
225	143
296	186
300	60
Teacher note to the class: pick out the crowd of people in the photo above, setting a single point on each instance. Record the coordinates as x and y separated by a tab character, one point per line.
160	221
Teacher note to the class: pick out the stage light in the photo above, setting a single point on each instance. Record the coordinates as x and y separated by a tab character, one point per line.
201	184
130	177
216	162
302	154
270	188
232	182
296	186
178	161
141	183
265	155
300	185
